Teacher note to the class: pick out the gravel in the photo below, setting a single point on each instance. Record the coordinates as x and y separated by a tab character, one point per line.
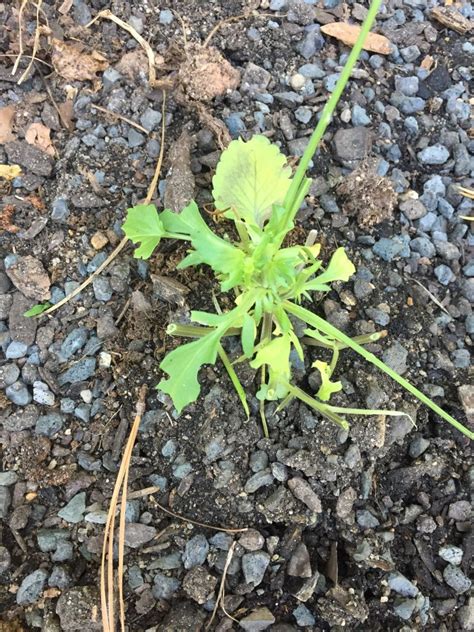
31	587
254	566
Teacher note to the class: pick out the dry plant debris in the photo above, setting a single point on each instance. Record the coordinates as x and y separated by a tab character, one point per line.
72	64
8	172
367	195
348	34
452	18
39	135
7	114
206	74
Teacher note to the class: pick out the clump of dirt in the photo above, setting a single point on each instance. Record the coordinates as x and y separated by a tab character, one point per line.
368	196
206	74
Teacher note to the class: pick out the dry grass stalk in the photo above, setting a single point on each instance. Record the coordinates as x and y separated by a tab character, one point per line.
221	593
124	241
107	596
143	43
35	44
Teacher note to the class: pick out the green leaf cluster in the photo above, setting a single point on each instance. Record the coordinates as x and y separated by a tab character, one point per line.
251	188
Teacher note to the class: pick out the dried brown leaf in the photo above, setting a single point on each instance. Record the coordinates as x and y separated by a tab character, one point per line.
74	65
6	124
6	219
8	172
348	34
39	135
452	18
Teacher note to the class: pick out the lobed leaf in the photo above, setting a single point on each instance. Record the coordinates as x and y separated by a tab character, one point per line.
224	258
340	268
327	387
250	177
276	356
143	225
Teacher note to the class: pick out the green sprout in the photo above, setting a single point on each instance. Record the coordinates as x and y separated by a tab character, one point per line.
253	187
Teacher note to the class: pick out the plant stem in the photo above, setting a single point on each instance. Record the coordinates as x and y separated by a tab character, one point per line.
318	322
330	106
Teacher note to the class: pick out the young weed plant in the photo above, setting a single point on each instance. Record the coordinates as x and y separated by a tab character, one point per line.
253	187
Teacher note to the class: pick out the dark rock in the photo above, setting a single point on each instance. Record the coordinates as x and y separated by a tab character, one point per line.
352	145
199	584
30	157
78	610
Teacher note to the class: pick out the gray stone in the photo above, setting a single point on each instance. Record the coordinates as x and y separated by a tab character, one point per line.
444	274
255	79
303	491
447	250
5	501
434	155
252	540
199	584
407	105
401	585
164	587
387	249
366	520
59	578
413	209
74	341
456	579
75	508
8	478
78	610
5	560
195	552
166	17
423	246
299	564
303	616
63	552
460	511
150	119
359	116
410	53
396	358
9	373
407	85
254	566
258	480
405	608
29	156
42	394
60	210
16	350
18	393
451	554
102	289
48	425
257	620
352	145
135	139
138	534
417	446
312	71
78	372
31	587
303	114
461	358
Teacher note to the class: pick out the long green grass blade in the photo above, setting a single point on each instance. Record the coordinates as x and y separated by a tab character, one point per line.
234	379
330	107
318	322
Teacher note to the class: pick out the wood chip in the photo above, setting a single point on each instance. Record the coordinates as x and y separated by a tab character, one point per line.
74	65
7	115
427	62
39	135
348	33
452	18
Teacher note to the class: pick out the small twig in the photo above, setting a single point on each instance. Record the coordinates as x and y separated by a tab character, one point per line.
64	121
432	297
35	44
221	593
197	523
41	61
20	36
124	242
121	117
143	43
